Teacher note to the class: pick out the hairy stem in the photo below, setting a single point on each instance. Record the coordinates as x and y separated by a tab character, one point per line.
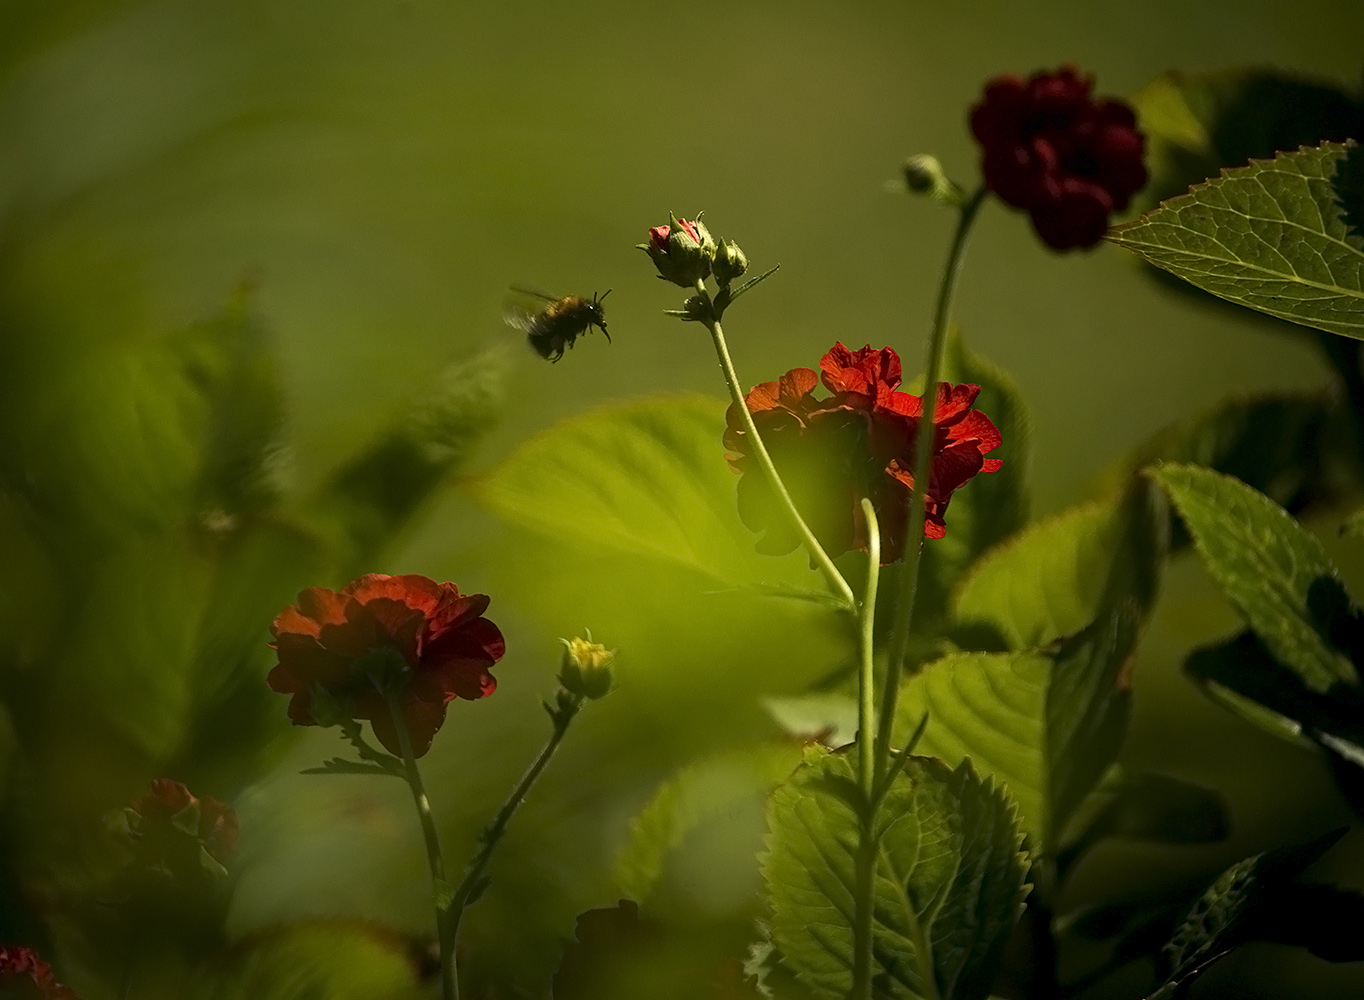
923	472
821	558
866	743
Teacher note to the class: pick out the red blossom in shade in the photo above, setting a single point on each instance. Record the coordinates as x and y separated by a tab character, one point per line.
858	442
25	976
165	800
1052	150
424	640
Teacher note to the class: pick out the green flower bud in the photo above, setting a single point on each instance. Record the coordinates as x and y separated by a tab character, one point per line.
730	262
923	174
682	251
586	669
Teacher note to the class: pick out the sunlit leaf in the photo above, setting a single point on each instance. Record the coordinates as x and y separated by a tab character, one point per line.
1046	724
1270	236
1057	576
950	879
1265	563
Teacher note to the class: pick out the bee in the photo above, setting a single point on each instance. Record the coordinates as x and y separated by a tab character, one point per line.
551	323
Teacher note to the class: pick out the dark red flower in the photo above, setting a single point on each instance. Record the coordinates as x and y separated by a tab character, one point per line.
424	640
858	442
25	976
1065	158
167	817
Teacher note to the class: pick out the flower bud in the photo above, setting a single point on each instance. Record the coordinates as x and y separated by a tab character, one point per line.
586	669
682	251
923	174
730	262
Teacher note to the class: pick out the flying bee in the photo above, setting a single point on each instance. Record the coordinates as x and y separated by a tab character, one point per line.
551	323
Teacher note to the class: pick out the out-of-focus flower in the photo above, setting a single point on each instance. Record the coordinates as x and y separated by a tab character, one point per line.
859	442
341	654
1067	159
25	976
681	251
167	818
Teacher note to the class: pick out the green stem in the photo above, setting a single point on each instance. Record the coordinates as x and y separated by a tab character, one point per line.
826	565
923	472
470	886
445	931
865	874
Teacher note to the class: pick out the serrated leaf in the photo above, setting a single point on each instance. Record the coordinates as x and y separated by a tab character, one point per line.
950	879
699	793
991	507
1060	574
647	478
1216	923
1269	236
1046	724
337	765
1265	564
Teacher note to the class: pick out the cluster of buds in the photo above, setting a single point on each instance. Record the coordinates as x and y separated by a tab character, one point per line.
685	253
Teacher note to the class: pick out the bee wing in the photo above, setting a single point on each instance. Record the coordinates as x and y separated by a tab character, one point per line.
523	307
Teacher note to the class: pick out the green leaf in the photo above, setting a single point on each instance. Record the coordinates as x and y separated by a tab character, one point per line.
1044	723
647	478
1269	236
829	717
991	507
377	491
1197	123
700	793
1216	923
1059	575
337	765
950	879
1265	563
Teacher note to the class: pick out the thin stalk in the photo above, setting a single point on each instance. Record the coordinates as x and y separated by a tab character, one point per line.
826	565
923	472
469	886
445	931
866	742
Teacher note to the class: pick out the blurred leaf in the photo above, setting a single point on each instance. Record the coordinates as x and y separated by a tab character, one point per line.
1324	919
1060	574
1265	564
950	879
374	494
1045	724
991	507
1216	923
1268	236
648	478
699	793
322	960
1271	441
337	765
1198	123
827	716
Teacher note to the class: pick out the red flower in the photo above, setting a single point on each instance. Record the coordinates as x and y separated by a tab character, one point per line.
857	443
164	801
422	639
1055	152
25	976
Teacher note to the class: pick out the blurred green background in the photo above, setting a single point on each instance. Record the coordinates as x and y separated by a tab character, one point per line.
378	173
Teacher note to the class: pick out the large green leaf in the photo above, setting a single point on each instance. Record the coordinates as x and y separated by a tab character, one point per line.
1044	723
1217	922
648	478
991	507
1060	574
950	879
1265	563
1197	123
1270	236
702	792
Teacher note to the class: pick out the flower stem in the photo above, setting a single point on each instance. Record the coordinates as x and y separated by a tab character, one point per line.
471	885
821	558
923	473
865	875
445	931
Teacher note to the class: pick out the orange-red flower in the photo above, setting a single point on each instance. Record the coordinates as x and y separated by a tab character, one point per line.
25	976
859	442
1067	159
424	642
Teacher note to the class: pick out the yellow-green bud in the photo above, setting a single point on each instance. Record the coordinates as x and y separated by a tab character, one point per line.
923	174
730	262
586	669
